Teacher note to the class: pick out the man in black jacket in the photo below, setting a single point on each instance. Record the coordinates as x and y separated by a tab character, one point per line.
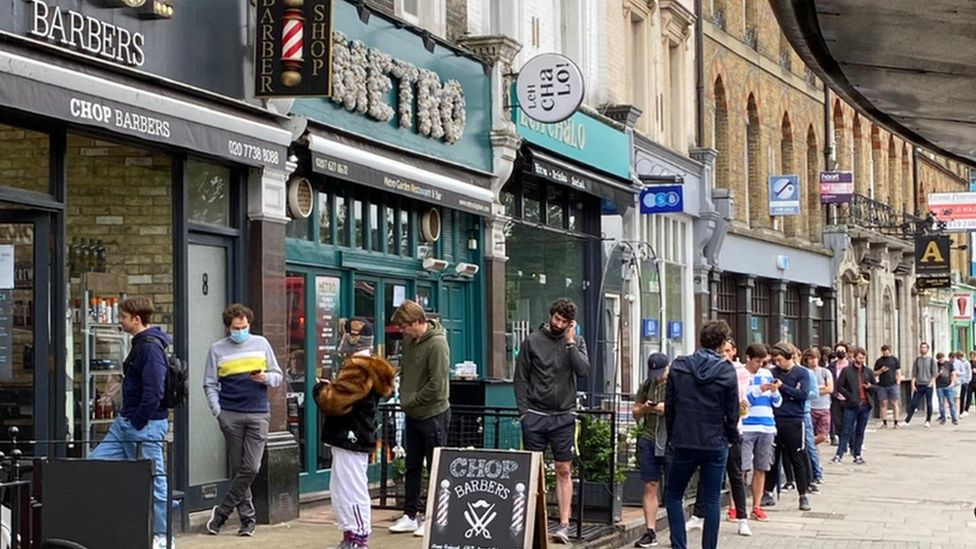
855	383
701	411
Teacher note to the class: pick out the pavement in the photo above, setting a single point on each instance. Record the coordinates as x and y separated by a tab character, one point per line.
916	491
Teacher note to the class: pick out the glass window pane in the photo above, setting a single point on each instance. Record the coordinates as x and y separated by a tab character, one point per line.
295	369
374	228
508	200
299	228
325	218
357	212
532	205
576	216
556	205
391	233
341	221
208	193
327	314
405	233
24	159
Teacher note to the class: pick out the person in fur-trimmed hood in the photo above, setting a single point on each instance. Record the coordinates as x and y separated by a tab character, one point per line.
349	404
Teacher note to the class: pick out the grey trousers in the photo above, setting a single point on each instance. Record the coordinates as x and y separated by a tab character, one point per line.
246	435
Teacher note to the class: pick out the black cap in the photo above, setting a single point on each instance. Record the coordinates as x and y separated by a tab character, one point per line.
656	365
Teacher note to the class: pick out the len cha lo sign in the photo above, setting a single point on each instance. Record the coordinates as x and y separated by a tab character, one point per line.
549	88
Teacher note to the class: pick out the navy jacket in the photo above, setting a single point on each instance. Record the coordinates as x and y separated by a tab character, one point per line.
145	378
701	403
795	390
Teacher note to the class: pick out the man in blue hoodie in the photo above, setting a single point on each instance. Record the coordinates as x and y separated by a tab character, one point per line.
142	425
701	410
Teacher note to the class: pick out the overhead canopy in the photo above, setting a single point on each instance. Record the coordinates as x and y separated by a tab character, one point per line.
540	163
347	158
908	64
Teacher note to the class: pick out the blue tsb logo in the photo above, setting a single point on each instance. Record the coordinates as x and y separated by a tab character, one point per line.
662	199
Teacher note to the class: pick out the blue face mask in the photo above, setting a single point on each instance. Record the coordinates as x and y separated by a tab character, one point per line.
240	336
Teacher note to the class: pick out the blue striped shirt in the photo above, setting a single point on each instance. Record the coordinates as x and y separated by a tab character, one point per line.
759	418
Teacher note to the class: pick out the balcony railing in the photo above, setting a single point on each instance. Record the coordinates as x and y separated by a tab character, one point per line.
872	214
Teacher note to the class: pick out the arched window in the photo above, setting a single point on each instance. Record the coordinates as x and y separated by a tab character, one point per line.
878	189
788	224
893	174
751	23
861	176
756	189
841	153
814	211
907	181
720	133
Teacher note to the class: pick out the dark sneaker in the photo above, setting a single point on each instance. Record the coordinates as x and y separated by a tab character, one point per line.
649	539
768	500
859	460
247	528
789	486
216	522
561	534
813	489
836	460
805	503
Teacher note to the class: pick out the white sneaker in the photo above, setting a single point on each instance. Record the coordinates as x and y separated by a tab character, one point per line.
694	523
404	525
928	424
965	414
159	542
744	528
419	532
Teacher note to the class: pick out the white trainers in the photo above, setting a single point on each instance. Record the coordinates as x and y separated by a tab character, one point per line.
159	542
928	424
744	528
965	414
404	525
419	532
694	523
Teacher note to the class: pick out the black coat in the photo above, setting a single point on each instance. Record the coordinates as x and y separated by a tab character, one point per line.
701	403
849	385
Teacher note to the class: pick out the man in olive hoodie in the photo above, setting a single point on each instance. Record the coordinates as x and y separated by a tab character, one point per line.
548	363
424	392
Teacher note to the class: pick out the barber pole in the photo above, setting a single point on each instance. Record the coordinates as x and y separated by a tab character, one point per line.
518	510
443	503
292	37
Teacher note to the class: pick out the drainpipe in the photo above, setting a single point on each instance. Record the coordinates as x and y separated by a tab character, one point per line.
828	148
915	178
699	75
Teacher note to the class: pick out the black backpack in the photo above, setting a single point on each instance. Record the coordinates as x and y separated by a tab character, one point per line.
177	375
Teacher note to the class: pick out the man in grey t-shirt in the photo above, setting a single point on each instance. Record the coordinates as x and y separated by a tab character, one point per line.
925	371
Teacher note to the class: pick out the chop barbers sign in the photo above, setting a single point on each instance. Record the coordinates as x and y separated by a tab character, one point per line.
549	88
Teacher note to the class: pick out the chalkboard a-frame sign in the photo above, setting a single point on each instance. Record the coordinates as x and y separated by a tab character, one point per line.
486	499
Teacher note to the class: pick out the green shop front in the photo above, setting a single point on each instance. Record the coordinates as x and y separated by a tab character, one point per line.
961	318
571	201
398	164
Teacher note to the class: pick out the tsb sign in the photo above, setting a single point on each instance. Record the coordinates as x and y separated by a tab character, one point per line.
662	199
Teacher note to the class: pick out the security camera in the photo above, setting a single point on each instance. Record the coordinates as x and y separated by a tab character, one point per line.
434	265
466	269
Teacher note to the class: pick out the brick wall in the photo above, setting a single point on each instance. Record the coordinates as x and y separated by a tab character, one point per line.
24	159
457	18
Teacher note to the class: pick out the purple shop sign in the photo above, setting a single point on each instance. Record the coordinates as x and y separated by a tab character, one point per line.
836	187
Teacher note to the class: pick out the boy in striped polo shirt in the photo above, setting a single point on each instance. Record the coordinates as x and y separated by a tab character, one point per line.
759	425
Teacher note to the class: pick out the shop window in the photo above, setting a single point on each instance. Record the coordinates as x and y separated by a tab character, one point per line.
532	205
342	220
404	229
373	242
792	313
208	189
575	216
759	325
508	200
299	229
295	368
555	207
25	159
357	226
727	300
391	231
325	218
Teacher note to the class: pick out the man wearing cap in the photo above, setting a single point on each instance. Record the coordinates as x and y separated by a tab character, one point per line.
649	410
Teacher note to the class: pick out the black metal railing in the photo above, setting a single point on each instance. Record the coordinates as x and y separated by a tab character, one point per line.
875	215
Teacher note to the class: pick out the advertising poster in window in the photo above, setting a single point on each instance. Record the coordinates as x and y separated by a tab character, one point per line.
327	324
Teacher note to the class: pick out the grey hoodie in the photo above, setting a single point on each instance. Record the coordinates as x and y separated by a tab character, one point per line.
546	370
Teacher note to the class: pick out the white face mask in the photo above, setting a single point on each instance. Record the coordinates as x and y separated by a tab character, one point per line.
240	335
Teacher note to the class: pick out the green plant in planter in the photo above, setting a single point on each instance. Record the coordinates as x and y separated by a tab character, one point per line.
596	447
399	464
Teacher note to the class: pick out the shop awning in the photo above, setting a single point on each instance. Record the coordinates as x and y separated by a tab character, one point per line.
358	161
539	163
50	86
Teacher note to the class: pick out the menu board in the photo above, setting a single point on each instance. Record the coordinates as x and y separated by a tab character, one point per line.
327	324
6	335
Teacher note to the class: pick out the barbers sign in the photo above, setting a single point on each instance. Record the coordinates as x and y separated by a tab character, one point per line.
481	499
549	88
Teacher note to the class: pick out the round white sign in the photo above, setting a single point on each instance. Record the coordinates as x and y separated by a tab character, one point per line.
549	88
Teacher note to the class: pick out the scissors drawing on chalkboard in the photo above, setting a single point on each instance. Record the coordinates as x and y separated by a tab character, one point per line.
479	523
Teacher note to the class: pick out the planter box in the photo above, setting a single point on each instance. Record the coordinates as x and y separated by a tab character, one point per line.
599	505
633	494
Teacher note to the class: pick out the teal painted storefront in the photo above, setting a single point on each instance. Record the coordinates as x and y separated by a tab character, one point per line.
961	327
362	250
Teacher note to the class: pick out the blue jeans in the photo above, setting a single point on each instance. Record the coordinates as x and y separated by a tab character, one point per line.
680	469
950	394
855	421
124	442
812	448
923	395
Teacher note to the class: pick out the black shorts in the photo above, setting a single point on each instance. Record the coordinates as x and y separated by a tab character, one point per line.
558	432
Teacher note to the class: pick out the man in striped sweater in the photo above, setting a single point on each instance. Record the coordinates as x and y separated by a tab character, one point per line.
759	425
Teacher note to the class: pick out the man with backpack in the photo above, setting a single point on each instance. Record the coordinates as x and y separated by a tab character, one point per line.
142	425
236	377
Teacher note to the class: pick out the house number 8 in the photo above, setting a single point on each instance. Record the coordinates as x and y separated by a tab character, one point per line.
206	284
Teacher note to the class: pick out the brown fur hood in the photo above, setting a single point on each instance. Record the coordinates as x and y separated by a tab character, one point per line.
358	377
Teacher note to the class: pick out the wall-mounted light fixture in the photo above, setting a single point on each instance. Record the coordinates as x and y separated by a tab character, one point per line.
467	270
434	265
156	9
